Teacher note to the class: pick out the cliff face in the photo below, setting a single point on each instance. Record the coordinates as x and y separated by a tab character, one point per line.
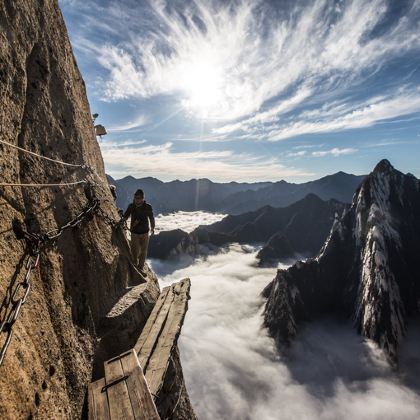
367	269
66	325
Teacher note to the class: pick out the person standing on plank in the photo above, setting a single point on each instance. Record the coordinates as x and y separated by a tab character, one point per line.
141	213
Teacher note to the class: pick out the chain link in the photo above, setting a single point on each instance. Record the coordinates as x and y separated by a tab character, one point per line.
112	222
87	212
17	294
16	297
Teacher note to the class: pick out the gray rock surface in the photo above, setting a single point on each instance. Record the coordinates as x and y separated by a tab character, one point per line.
60	332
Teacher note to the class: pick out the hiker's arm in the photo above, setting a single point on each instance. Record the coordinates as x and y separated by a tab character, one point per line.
128	212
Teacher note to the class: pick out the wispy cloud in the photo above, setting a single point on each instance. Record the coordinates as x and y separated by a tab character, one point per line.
262	71
139	122
306	146
354	116
240	56
300	153
334	152
391	143
333	117
166	163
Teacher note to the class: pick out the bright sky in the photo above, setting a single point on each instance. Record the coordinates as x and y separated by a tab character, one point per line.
251	90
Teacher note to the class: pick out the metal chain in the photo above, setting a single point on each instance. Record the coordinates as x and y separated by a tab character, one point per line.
108	220
112	222
12	304
105	186
87	211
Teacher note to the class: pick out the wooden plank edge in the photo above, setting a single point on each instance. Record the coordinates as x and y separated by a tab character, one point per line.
149	345
151	320
178	326
141	399
98	405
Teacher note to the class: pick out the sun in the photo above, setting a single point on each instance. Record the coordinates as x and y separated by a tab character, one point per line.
202	82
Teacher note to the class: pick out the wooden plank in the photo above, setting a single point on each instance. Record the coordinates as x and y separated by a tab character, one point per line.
126	391
118	396
159	360
152	318
150	343
141	400
98	401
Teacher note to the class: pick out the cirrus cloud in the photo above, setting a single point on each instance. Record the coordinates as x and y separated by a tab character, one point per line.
334	152
166	163
263	61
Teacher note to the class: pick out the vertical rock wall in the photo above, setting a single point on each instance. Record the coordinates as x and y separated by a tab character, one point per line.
44	108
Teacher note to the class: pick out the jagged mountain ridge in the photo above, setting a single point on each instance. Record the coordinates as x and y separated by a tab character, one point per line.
367	269
195	194
233	197
339	186
302	227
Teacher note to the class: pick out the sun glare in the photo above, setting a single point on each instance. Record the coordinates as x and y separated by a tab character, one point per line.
202	82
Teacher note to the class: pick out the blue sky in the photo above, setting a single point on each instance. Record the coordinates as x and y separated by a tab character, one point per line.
251	90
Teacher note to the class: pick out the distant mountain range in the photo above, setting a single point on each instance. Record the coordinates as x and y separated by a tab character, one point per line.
300	228
367	270
232	197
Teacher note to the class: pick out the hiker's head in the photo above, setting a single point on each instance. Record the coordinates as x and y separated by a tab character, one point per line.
139	197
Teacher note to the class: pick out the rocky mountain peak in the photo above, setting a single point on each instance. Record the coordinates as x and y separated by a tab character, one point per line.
366	270
383	166
380	200
311	198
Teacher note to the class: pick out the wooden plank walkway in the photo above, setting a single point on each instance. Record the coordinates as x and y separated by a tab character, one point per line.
133	377
155	358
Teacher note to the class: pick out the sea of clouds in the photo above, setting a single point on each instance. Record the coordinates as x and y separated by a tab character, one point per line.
186	221
233	371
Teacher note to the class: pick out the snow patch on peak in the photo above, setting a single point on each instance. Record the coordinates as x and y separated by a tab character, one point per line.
378	285
360	207
373	206
338	229
294	292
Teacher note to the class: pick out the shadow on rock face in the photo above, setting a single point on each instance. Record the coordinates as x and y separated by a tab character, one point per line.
119	330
